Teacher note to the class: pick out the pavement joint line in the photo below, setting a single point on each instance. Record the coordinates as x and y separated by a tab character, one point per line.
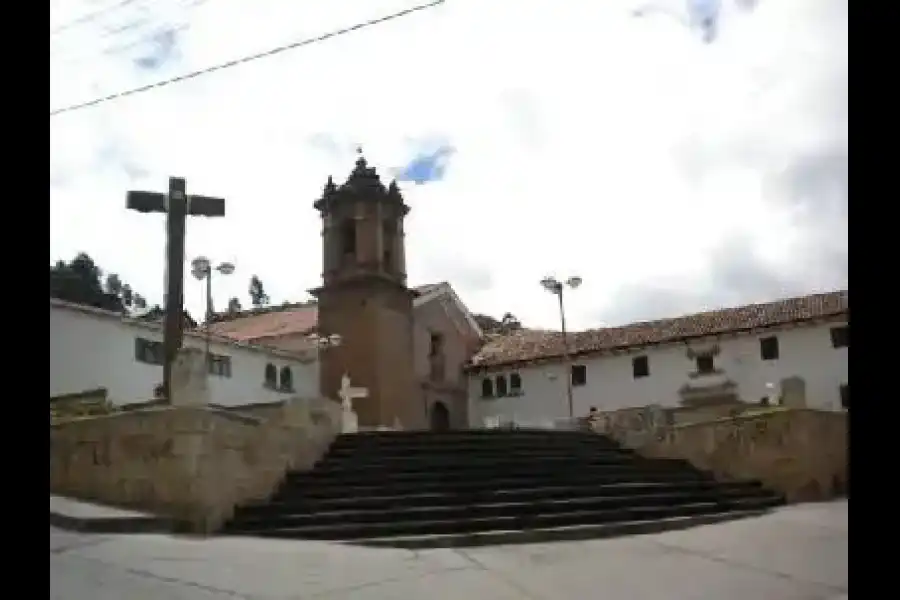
499	576
733	563
169	580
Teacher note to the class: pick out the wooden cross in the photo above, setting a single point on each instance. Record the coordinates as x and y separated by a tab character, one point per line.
177	205
347	393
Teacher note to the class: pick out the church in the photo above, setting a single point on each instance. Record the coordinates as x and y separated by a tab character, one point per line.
406	345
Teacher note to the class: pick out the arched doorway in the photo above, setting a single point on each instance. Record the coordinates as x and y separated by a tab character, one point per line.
440	417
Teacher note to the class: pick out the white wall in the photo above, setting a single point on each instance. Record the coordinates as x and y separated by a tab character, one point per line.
806	352
90	351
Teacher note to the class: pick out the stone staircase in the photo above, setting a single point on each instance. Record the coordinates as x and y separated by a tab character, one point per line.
427	489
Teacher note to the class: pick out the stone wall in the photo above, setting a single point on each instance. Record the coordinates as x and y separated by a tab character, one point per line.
801	453
191	463
77	404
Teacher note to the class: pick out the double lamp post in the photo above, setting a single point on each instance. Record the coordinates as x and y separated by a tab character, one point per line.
557	288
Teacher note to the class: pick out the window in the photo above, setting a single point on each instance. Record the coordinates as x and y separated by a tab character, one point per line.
845	396
388	237
149	351
348	236
515	384
487	388
579	375
436	345
640	366
220	365
287	380
768	348
271	380
500	382
840	336
705	364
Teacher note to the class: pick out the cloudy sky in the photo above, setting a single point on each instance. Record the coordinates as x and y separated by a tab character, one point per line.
672	170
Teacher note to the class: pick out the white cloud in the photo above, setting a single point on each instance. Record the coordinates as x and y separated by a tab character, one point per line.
587	141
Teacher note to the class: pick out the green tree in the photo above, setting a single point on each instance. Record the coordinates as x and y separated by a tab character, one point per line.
79	282
258	296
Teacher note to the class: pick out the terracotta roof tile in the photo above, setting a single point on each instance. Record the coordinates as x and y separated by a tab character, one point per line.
529	345
276	321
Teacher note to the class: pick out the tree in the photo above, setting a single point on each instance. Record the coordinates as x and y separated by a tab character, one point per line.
507	323
79	282
258	296
234	306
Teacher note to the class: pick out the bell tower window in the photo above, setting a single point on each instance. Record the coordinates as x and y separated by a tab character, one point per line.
348	237
388	239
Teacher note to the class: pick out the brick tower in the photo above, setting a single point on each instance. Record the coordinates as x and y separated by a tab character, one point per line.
364	298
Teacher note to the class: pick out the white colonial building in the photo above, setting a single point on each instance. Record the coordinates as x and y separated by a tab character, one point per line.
741	354
96	349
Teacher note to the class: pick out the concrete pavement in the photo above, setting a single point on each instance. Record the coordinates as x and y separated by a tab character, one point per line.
794	553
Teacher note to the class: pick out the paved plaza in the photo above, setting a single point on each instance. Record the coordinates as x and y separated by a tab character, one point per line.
798	552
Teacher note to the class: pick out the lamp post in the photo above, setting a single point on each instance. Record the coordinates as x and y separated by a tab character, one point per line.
202	268
556	287
323	342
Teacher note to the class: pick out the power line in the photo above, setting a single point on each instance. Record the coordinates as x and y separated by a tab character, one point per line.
244	59
90	16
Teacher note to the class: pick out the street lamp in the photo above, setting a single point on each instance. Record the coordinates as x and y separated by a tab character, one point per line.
323	342
201	268
320	343
556	287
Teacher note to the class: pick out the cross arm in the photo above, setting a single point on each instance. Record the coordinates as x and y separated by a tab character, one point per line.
206	206
146	201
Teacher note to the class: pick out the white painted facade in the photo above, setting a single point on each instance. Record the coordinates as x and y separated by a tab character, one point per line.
804	351
92	349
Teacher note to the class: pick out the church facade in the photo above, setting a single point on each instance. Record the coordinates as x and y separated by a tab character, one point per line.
406	346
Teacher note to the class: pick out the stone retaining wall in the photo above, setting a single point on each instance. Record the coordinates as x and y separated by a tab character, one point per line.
801	453
194	464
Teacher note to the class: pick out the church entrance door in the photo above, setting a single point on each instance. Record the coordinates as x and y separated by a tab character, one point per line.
440	417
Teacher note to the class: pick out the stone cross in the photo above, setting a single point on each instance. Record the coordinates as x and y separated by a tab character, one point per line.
347	393
177	205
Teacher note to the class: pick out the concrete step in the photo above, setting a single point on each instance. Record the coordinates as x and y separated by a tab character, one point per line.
553	534
336	488
471	524
456	511
305	504
454	463
400	453
546	471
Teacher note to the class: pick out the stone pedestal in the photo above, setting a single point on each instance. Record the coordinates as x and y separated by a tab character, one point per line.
349	421
190	384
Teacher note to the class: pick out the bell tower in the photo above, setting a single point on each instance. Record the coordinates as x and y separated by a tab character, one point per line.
364	298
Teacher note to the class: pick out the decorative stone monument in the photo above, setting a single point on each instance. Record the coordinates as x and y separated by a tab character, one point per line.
348	393
189	385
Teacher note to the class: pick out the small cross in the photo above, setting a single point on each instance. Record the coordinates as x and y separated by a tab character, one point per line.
347	393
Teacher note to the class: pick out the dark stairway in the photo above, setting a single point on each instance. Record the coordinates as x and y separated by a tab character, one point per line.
424	489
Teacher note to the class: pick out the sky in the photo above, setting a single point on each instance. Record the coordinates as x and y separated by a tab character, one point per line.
672	171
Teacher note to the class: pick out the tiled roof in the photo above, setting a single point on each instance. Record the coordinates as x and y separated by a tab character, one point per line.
276	321
528	346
